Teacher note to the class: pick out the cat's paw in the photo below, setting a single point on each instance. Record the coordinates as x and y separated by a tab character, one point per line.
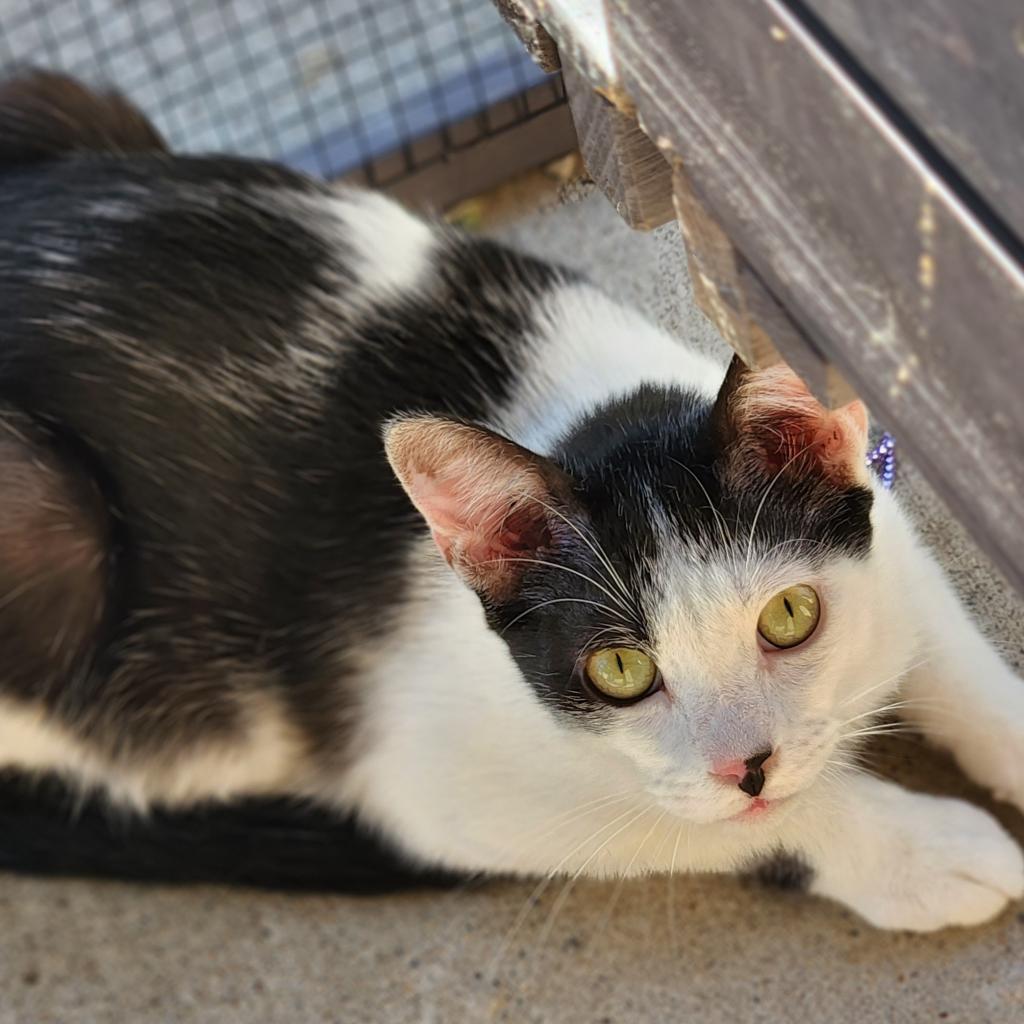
920	863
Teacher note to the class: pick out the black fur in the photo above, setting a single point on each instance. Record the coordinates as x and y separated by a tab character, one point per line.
663	450
253	532
48	829
44	115
242	553
784	871
252	526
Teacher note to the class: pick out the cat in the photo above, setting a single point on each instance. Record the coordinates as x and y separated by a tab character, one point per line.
342	550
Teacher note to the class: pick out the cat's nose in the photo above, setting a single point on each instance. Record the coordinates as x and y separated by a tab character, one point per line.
748	774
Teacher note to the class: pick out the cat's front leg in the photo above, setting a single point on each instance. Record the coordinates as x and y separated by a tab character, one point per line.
962	695
902	860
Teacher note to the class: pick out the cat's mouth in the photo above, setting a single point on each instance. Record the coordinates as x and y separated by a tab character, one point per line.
760	807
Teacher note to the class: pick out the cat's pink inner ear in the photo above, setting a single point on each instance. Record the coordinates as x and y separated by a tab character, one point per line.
776	423
486	500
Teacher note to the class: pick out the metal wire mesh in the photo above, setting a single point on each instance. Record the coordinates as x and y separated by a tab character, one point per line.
326	86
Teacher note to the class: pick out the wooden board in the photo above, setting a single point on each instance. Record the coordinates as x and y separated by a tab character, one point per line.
476	168
580	31
730	294
621	159
532	34
894	276
956	67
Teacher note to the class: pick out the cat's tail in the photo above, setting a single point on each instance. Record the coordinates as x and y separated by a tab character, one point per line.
45	116
46	828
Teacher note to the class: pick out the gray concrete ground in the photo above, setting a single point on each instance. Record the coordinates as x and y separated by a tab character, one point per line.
704	950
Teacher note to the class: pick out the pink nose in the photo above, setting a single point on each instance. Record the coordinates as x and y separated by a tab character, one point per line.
748	774
731	771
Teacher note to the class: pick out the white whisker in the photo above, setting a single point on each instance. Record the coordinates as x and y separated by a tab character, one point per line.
561	600
764	498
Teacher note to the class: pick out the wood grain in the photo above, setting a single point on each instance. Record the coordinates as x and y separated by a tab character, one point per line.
620	158
732	296
532	34
956	67
894	277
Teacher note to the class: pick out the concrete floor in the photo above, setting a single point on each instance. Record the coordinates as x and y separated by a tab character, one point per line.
693	950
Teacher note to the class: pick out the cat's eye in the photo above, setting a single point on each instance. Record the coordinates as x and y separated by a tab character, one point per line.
622	673
790	617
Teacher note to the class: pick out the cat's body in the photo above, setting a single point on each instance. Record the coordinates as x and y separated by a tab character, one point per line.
218	592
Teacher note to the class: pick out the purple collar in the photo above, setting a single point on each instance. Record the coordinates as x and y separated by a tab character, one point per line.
882	460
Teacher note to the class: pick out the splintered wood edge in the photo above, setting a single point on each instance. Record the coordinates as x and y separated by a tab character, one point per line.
579	29
647	191
621	159
732	297
532	34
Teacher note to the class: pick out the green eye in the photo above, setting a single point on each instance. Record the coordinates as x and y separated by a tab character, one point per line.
790	617
621	673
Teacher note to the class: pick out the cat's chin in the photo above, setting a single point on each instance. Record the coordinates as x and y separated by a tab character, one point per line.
760	809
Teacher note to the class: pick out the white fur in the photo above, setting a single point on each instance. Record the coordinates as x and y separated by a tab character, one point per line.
459	761
588	349
267	758
392	248
467	768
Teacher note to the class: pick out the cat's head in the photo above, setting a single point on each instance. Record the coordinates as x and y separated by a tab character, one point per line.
690	580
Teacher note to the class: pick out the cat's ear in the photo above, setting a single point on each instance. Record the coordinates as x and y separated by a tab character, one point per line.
45	115
767	422
489	503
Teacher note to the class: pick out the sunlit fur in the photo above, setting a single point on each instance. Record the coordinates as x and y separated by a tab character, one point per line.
468	767
723	693
231	372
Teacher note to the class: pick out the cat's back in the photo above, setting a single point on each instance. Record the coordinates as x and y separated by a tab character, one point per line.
245	284
212	346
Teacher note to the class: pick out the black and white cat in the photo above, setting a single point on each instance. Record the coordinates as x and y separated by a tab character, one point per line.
349	551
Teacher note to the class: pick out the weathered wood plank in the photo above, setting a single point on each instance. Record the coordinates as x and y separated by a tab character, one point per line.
580	31
532	34
476	168
895	279
957	68
621	159
732	296
716	269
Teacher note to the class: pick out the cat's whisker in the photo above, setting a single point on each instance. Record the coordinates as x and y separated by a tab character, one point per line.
950	645
577	814
894	725
606	917
764	498
855	768
672	929
531	901
719	518
593	545
564	568
541	888
935	703
563	896
881	730
794	540
560	600
608	634
884	682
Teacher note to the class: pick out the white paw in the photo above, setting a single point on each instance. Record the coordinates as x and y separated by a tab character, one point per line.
920	863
